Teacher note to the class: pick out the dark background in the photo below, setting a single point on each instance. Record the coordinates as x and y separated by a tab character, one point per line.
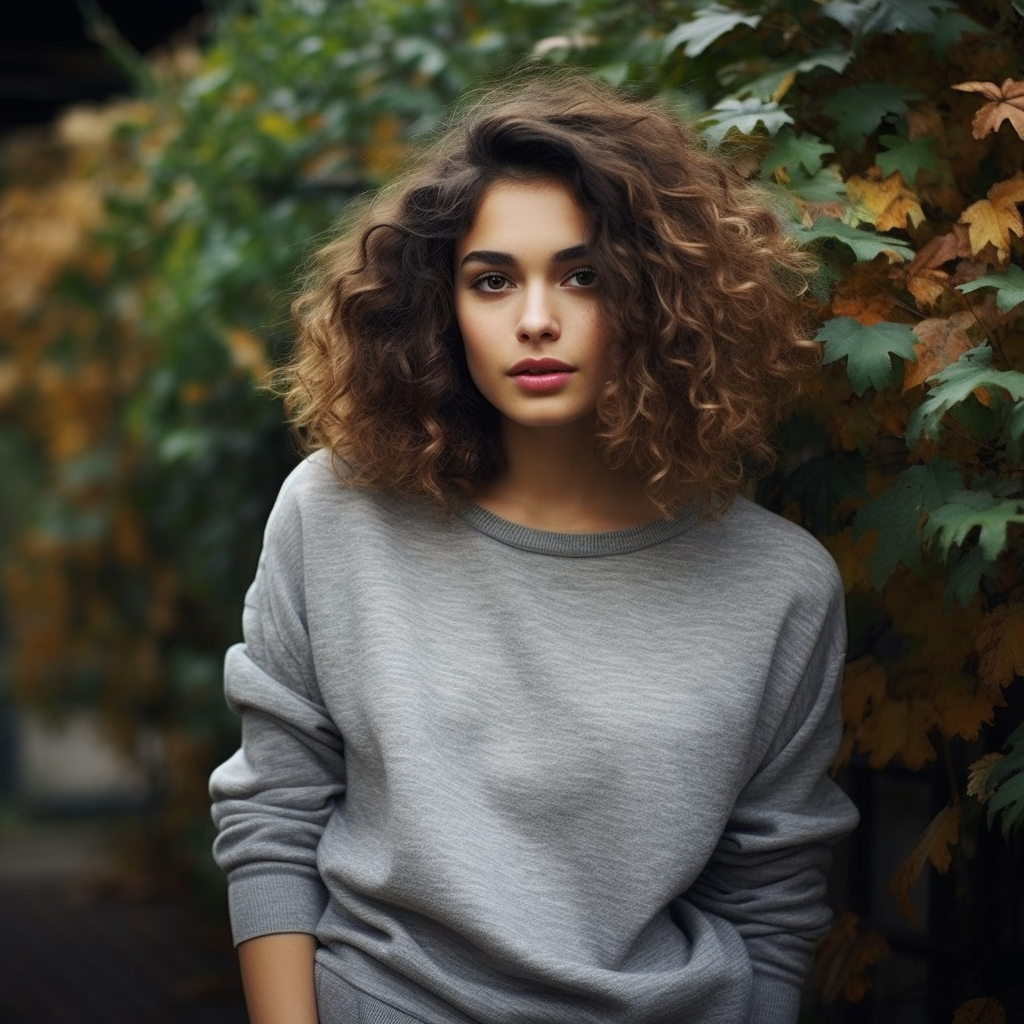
48	61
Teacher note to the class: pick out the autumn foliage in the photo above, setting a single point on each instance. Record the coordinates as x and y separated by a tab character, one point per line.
149	249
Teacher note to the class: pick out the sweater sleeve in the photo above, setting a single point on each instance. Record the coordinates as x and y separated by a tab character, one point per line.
272	799
768	873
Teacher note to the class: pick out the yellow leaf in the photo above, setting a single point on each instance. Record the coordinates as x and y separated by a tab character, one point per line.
991	224
963	705
843	958
1006	103
978	773
898	727
1009	192
940	342
984	1010
932	847
1001	645
277	126
865	684
247	353
887	204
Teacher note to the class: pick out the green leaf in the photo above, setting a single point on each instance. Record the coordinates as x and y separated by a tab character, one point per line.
866	245
767	85
868	350
908	156
827	186
872	17
964	577
955	384
1009	286
744	116
952	523
1006	783
949	27
711	23
791	151
899	512
859	109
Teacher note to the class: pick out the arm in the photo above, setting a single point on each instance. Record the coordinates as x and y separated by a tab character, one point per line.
273	798
767	876
277	974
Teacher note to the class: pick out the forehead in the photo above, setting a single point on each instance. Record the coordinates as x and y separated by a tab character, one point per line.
540	215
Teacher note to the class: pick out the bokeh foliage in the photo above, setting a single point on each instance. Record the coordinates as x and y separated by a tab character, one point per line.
149	250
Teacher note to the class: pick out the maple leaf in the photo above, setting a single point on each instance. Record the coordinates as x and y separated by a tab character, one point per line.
897	515
940	341
941	249
984	1010
1001	645
955	384
1006	103
978	773
711	23
898	727
859	109
887	204
790	151
932	847
866	245
744	116
964	705
843	957
992	220
907	157
1009	286
868	350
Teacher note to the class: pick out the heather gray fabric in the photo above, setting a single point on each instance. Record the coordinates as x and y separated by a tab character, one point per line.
517	777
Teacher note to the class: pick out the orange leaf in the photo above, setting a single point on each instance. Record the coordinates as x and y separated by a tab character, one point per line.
964	705
932	847
886	204
1006	104
941	342
843	958
941	249
1001	645
984	1010
992	224
864	685
899	727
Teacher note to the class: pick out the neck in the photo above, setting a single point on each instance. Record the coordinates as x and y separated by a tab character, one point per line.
554	480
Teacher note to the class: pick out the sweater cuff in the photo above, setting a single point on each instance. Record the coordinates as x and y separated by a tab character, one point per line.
775	1001
262	903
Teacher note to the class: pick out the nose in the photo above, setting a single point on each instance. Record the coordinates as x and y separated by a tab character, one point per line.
538	318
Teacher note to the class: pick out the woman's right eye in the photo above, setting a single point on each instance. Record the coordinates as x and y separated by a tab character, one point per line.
490	283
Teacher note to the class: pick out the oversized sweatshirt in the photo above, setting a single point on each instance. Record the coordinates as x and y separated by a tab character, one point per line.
510	776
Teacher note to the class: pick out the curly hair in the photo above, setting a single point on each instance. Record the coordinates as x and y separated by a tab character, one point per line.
699	282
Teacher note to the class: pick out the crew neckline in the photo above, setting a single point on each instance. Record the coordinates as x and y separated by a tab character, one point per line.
579	545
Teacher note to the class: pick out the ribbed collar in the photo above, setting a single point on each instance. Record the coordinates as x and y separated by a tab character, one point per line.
579	545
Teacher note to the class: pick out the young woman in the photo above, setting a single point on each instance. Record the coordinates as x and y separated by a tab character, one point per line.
537	712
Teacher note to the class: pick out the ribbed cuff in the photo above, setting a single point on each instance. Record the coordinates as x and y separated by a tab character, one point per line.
262	903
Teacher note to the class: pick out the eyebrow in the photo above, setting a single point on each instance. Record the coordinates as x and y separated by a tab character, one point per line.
505	259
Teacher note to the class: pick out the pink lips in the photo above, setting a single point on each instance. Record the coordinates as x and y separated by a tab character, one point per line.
541	375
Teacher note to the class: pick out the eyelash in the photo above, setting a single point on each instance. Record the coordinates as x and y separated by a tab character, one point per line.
492	276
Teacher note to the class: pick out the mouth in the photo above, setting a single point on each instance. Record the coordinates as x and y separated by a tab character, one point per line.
539	368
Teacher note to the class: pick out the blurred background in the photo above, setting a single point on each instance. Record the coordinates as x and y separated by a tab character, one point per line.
166	167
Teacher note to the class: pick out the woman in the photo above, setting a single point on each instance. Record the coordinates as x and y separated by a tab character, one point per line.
537	712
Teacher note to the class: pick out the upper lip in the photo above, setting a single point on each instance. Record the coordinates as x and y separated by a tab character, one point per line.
539	366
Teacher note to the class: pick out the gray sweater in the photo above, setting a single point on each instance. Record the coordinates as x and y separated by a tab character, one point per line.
518	777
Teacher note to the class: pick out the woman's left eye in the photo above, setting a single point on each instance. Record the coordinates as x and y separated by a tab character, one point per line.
583	278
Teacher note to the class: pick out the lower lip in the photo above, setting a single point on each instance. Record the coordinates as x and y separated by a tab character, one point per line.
540	383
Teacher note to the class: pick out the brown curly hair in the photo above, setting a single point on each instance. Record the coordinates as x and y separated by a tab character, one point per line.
699	281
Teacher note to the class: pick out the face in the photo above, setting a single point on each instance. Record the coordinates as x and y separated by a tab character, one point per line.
528	303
